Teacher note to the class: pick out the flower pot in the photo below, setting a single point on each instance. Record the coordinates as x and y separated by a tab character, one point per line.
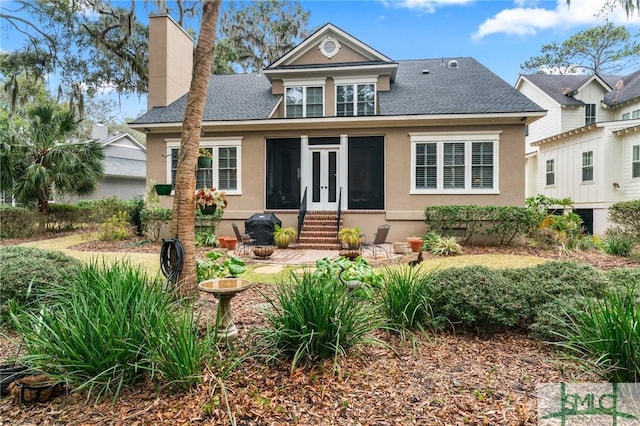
263	251
222	242
232	242
204	162
415	244
208	210
163	189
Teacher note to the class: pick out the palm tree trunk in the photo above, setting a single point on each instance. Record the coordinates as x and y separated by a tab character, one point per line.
183	222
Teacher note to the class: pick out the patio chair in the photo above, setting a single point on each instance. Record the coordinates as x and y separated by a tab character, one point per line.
244	240
379	239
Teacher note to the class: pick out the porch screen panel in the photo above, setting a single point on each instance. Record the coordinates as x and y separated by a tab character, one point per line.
366	173
283	174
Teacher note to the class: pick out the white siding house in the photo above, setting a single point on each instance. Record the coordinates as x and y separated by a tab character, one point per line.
587	147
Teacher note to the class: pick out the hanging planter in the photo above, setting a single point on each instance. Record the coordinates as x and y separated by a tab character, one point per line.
163	189
208	210
204	162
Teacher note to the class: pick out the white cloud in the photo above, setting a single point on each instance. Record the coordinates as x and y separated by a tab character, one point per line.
524	21
426	6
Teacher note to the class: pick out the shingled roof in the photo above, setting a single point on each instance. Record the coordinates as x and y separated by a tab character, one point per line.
470	88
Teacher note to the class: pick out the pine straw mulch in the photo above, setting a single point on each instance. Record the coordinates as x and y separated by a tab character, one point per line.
445	378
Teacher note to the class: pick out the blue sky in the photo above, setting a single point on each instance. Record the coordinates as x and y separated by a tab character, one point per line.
500	34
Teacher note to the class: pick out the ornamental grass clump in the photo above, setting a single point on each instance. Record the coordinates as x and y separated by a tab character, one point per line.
316	318
108	326
404	299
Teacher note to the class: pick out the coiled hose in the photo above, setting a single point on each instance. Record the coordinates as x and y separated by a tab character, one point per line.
172	259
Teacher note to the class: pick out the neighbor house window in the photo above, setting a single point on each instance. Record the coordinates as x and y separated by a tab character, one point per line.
635	114
454	162
587	166
626	116
304	102
589	114
551	172
224	173
635	162
355	99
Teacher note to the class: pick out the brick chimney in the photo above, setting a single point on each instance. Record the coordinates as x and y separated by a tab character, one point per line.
170	61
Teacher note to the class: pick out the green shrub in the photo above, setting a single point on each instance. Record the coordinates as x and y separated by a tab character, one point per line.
405	298
626	214
619	243
65	216
606	337
478	298
104	208
553	318
316	318
107	327
153	221
17	222
429	240
117	227
25	275
507	223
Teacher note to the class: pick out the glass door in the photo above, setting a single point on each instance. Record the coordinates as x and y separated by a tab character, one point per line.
324	178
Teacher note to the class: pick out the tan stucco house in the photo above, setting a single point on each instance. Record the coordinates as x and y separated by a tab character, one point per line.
354	130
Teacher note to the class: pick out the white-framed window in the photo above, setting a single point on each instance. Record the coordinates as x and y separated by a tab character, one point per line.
304	101
587	166
456	162
589	114
551	172
626	116
225	171
635	162
355	99
635	113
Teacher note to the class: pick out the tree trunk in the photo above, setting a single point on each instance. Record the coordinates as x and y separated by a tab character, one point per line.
183	222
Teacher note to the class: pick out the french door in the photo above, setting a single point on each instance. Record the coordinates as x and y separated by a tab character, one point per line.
325	178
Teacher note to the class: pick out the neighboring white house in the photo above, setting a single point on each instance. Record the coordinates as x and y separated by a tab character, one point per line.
588	145
125	165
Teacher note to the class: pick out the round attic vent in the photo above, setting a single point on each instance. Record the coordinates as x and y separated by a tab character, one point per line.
452	64
329	47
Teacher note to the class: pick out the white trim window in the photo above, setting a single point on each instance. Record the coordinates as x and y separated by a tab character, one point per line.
587	166
589	114
304	101
635	162
550	172
457	162
225	171
357	99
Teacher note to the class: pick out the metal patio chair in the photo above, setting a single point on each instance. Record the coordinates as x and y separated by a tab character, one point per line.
245	241
378	240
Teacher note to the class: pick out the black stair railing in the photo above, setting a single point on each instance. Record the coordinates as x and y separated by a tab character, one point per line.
302	212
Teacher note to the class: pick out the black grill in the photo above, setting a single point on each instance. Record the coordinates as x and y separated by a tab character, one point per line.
261	226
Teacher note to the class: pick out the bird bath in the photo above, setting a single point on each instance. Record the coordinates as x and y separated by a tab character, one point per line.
224	289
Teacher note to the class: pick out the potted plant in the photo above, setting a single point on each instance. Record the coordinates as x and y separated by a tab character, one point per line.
350	237
210	199
415	243
163	188
284	236
218	265
205	158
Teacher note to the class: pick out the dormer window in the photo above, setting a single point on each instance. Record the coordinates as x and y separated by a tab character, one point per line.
355	99
304	101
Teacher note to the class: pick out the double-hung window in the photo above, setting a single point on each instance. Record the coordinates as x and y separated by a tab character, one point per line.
587	166
551	172
454	162
635	162
589	114
304	101
224	173
355	99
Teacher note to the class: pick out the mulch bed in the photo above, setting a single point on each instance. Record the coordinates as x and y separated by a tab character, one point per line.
445	378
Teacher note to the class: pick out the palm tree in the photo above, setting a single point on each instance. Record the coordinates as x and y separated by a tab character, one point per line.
45	161
183	221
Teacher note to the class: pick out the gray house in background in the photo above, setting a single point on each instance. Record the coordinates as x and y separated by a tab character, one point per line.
125	165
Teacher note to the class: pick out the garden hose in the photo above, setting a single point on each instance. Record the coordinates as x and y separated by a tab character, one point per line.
172	259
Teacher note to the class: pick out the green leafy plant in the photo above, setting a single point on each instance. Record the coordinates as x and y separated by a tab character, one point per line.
17	222
204	152
448	246
218	265
284	236
205	236
404	298
429	240
626	214
619	243
359	270
117	227
26	274
350	237
316	318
